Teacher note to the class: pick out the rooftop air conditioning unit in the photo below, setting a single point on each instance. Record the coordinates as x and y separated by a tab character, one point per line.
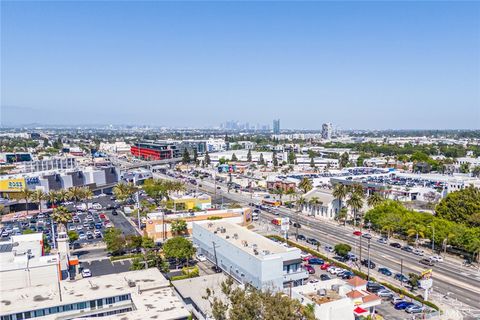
227	237
235	236
254	246
255	251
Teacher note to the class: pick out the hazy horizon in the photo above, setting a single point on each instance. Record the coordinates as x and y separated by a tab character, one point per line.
358	65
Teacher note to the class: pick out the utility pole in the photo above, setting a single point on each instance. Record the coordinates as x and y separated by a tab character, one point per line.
401	269
360	267
215	254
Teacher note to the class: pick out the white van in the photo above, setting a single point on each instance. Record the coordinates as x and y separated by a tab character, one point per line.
254	216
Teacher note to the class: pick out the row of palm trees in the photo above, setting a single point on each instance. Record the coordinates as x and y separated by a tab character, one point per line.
355	197
75	194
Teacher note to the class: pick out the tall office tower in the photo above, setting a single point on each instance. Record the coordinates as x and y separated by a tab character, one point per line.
327	131
276	126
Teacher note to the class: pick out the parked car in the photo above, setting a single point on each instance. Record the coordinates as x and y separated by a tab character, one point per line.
385	271
367	236
97	234
340	258
396	300
357	233
374	287
418	252
309	269
201	257
395	245
427	262
86	273
307	257
403	305
325	266
329	248
324	277
316	261
313	241
415	308
384	293
296	225
348	275
115	212
407	248
301	237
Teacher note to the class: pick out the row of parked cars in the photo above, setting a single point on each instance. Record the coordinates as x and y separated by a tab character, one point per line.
399	303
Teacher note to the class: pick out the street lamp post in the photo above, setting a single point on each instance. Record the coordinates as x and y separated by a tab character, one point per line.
368	261
433	238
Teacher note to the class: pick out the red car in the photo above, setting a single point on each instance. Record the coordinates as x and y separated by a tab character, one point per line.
325	266
307	258
106	222
309	268
357	233
102	216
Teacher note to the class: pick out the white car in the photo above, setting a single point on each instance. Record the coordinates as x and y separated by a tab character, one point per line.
418	252
436	258
304	254
335	270
71	228
82	236
201	257
329	249
79	227
86	273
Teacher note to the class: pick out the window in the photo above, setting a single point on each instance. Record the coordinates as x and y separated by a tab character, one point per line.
81	305
19	316
92	304
100	303
39	313
27	314
110	300
67	307
9	317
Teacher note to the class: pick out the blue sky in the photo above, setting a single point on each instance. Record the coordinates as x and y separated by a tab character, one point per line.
357	64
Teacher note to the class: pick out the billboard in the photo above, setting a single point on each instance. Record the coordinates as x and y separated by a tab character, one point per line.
14	185
285	224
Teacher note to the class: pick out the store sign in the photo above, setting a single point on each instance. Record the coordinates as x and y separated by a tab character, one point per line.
12	185
285	224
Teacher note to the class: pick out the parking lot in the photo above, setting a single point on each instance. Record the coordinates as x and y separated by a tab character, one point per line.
105	266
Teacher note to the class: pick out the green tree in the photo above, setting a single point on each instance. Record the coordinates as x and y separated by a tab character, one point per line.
342	249
291	157
312	162
301	203
185	156
355	202
274	159
75	194
460	206
124	191
37	197
133	241
178	226
465	167
114	240
261	160
344	160
26	195
249	303
249	155
374	200
340	192
305	184
61	215
72	236
178	248
207	158
52	197
476	171
314	202
417	230
342	215
195	156
234	157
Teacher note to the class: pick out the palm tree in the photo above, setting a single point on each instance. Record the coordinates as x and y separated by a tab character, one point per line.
314	202
87	193
52	197
300	203
356	203
374	200
306	185
38	196
63	195
340	192
357	188
417	230
76	194
26	195
61	215
279	192
342	215
291	193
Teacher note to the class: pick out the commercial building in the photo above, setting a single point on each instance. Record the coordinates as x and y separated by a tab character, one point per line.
15	157
249	257
155	151
119	148
327	131
276	126
185	202
142	294
158	226
56	163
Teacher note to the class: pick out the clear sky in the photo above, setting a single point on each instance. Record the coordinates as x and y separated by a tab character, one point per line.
363	65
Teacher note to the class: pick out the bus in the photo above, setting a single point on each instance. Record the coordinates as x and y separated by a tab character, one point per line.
274	203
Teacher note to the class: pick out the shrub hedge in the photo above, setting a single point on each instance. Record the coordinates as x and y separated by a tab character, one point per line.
126	256
356	272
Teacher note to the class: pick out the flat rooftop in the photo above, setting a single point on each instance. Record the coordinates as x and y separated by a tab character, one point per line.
151	294
244	239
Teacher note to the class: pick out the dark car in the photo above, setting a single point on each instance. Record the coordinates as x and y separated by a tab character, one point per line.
368	263
395	245
407	248
313	241
316	261
340	258
385	271
301	237
348	275
309	269
217	269
324	277
115	212
98	225
401	277
297	225
374	287
427	262
403	305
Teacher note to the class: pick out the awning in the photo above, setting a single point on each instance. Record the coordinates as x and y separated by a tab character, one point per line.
359	311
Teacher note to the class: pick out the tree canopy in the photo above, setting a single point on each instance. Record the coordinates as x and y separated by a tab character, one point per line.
178	248
461	206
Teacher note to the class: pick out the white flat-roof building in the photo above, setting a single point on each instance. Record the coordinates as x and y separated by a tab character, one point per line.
249	257
130	295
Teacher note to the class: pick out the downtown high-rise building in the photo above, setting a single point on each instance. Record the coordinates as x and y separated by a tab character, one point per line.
276	126
327	131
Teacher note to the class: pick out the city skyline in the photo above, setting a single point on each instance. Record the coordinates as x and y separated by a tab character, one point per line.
359	65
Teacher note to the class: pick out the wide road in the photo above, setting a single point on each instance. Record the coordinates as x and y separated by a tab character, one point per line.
459	282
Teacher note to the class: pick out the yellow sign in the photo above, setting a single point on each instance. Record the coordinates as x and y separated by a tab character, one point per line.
427	274
12	185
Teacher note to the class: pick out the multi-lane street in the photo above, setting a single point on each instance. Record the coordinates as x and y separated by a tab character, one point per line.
451	279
